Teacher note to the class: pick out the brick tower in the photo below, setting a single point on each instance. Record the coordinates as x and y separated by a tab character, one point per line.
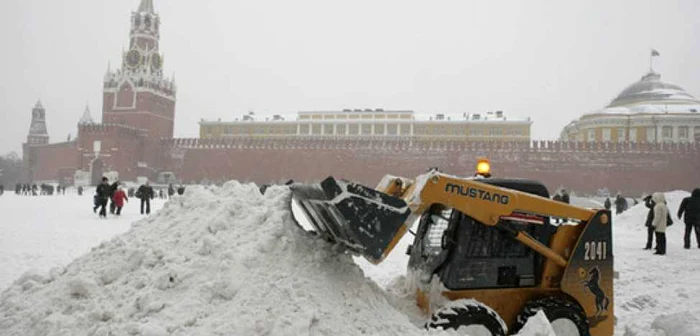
38	136
137	94
37	128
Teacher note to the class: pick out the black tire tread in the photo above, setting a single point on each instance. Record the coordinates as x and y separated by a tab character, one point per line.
454	317
553	307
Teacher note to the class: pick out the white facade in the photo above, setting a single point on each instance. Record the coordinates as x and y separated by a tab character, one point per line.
649	110
376	123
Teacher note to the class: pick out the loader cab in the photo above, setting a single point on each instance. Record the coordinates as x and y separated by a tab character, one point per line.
469	255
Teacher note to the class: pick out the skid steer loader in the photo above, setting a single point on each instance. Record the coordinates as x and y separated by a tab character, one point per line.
485	256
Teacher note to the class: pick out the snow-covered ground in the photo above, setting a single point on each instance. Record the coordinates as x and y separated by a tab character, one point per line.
42	232
228	261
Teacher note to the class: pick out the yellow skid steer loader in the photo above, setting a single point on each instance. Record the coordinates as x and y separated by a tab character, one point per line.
485	256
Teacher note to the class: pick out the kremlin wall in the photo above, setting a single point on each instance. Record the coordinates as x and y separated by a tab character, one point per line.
647	139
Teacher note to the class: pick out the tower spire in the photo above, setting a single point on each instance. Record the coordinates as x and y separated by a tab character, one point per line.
146	6
37	128
87	117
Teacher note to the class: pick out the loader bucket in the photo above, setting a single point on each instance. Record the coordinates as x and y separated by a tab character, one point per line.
364	220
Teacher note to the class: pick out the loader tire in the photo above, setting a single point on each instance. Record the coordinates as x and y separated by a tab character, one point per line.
471	318
566	317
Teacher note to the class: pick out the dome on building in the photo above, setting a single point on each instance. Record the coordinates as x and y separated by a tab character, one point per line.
647	111
651	89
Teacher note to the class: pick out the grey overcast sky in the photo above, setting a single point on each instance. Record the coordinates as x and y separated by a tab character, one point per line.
547	60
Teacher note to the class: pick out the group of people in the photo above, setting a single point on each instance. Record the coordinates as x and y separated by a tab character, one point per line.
621	204
659	218
115	195
37	190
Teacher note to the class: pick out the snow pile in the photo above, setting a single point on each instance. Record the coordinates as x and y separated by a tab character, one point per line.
655	292
679	324
537	325
635	217
218	261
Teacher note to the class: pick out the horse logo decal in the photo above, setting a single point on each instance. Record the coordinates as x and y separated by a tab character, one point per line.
592	285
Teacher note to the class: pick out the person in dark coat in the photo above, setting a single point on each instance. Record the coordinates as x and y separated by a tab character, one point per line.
80	191
171	190
2	189
649	203
690	207
607	204
180	190
620	204
145	193
565	196
103	194
112	190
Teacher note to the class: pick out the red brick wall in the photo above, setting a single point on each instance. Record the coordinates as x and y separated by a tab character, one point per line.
51	162
631	170
152	112
121	148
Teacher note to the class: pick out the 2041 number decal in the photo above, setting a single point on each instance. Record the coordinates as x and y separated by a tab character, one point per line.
595	250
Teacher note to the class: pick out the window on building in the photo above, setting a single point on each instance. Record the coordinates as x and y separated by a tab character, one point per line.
591	135
316	129
379	129
405	129
651	134
683	133
304	128
667	132
391	129
696	132
621	134
633	135
495	132
606	134
340	129
328	129
97	146
353	129
366	129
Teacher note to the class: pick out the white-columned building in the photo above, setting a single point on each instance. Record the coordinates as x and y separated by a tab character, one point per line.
356	123
649	110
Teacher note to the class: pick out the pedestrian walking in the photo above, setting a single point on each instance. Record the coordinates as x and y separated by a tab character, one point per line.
690	207
112	190
145	193
103	192
119	199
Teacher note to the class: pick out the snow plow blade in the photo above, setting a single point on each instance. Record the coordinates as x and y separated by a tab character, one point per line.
365	221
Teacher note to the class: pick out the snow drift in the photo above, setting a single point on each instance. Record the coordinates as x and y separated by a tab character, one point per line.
218	261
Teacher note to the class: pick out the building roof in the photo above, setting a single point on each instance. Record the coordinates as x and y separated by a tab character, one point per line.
146	6
650	95
650	89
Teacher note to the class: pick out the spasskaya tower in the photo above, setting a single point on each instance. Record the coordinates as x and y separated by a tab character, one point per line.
137	94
